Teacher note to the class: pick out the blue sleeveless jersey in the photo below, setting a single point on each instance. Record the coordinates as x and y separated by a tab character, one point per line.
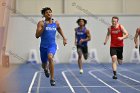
81	34
48	35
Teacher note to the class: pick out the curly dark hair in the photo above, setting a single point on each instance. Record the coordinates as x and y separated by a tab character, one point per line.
45	9
85	21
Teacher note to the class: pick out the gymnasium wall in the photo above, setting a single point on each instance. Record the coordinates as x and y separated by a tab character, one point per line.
21	35
32	7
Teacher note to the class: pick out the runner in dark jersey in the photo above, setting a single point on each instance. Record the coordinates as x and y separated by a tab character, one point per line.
118	34
82	36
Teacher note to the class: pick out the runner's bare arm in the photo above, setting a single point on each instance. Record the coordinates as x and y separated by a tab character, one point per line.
39	29
136	38
75	37
125	33
61	33
88	36
107	36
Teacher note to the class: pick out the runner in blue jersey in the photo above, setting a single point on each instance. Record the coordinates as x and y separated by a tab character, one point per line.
46	29
82	36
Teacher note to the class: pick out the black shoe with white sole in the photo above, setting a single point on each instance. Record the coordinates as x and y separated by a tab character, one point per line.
114	77
47	74
52	82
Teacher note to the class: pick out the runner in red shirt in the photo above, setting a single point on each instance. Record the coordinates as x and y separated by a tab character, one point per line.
137	34
117	33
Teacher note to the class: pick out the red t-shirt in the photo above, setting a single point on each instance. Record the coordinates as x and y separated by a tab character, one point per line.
115	33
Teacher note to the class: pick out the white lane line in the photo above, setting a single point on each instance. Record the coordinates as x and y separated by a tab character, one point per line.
32	83
83	86
125	76
39	82
90	72
52	87
66	79
95	86
79	81
119	81
129	78
130	71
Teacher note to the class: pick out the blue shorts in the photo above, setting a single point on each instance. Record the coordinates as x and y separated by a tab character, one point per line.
45	51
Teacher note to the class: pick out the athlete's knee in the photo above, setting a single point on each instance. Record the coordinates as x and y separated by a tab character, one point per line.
79	51
79	56
50	57
114	58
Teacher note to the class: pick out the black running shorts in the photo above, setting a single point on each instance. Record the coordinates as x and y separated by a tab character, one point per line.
84	50
118	51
